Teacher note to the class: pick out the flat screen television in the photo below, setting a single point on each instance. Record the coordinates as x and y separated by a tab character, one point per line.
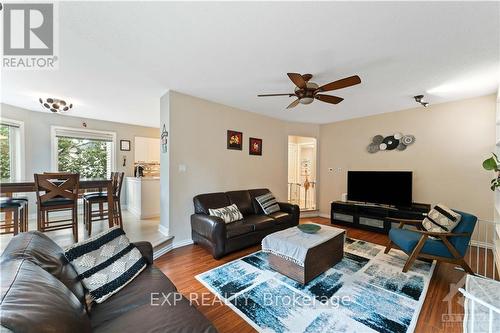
380	187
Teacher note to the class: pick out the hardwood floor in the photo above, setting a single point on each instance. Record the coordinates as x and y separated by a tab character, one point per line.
182	264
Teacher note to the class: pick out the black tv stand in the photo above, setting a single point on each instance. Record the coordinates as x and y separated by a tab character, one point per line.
373	217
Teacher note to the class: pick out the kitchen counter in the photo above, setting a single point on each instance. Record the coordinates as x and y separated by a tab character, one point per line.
143	196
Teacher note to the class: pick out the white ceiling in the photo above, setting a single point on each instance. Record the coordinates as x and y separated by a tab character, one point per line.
117	59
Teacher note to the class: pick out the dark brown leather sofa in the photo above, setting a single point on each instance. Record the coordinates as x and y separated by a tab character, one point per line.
41	293
220	238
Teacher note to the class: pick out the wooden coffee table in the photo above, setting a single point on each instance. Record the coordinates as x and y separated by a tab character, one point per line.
319	252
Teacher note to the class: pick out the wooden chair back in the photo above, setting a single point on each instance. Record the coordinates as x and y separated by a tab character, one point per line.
56	185
117	179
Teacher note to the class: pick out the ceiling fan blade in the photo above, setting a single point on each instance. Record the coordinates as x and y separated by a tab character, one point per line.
297	79
329	99
293	104
267	95
339	84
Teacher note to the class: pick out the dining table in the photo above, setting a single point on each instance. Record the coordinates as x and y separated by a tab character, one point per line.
9	187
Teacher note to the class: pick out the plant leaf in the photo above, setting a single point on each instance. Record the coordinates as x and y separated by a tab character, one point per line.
490	164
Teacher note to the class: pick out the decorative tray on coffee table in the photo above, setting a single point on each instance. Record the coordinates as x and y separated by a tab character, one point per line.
309	228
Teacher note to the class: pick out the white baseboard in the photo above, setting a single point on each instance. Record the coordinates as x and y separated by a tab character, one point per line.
162	251
182	243
326	216
172	245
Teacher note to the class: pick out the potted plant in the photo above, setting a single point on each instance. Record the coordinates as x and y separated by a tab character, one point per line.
493	164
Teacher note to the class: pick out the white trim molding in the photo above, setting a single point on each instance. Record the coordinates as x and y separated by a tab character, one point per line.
170	246
83	134
19	154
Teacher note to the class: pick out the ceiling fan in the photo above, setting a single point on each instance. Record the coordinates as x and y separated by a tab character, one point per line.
306	91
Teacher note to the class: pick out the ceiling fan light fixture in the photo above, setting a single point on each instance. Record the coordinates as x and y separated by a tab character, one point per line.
55	105
306	100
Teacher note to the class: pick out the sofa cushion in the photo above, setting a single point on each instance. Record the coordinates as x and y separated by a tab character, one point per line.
132	296
281	217
33	300
255	193
238	228
44	252
268	203
243	200
106	262
260	222
203	202
176	314
229	214
441	219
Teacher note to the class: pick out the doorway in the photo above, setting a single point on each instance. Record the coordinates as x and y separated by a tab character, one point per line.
302	172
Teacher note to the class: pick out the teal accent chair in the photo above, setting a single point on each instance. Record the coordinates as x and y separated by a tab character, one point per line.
448	247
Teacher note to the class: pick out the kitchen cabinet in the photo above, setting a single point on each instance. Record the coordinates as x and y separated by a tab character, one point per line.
147	149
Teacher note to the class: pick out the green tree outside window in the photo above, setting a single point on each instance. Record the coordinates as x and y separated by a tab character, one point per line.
83	156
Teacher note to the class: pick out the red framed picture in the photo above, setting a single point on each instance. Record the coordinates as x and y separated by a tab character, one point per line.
234	140
255	146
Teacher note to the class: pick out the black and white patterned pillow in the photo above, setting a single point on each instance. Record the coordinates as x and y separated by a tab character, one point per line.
441	219
106	263
228	214
268	203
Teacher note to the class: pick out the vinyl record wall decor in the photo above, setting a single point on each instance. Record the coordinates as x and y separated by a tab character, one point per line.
397	141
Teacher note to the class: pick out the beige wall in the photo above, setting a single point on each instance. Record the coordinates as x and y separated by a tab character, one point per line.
452	140
38	142
198	141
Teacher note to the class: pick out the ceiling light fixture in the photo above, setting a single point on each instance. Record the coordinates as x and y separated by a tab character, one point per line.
419	99
55	105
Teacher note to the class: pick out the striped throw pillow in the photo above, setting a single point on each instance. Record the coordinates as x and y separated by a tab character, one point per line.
441	219
268	203
228	214
106	263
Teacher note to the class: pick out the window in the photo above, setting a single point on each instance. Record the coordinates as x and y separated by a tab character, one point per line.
89	153
11	149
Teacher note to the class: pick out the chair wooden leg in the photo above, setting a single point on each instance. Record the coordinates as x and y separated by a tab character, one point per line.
89	218
101	210
74	212
16	221
120	219
42	221
85	213
466	267
388	247
415	253
26	218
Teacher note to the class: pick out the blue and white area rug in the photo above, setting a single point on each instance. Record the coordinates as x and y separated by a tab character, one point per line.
366	292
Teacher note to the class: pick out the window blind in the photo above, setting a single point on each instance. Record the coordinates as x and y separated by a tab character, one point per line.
9	124
89	135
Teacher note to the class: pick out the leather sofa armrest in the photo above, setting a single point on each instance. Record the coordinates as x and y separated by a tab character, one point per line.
146	249
289	208
210	227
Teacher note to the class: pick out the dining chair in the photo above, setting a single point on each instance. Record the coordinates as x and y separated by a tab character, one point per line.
16	215
101	198
449	247
57	192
